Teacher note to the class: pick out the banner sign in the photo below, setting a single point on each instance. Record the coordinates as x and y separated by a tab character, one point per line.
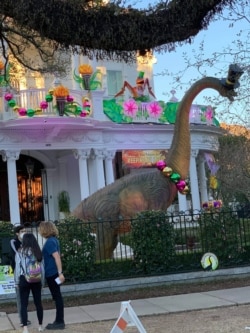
7	284
142	158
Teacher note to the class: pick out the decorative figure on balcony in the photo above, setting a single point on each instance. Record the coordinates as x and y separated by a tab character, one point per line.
138	92
87	78
153	190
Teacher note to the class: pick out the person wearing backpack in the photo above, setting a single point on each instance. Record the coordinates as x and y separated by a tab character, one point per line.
53	270
29	276
15	246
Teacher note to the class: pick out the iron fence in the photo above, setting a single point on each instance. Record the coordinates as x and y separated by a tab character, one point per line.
151	245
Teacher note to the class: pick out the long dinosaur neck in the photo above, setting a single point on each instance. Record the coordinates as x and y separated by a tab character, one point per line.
179	154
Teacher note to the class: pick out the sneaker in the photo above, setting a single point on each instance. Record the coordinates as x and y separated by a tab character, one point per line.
55	326
28	323
40	328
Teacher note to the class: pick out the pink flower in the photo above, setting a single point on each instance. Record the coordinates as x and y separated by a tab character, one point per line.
154	109
209	113
130	108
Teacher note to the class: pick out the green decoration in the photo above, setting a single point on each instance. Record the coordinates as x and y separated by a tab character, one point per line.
30	112
11	103
113	110
170	111
141	75
95	82
49	98
175	177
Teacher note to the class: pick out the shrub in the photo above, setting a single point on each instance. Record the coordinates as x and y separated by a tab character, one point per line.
223	234
6	233
77	245
153	241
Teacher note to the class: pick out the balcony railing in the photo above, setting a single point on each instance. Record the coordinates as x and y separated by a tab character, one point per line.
101	109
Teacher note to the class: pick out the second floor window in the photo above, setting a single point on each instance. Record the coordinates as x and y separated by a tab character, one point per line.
114	82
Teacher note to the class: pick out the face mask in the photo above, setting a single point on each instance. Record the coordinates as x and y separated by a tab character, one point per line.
21	235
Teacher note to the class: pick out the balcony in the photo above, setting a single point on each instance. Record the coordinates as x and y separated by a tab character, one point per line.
31	103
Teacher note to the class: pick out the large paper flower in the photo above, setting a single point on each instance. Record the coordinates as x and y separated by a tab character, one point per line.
61	91
85	69
130	108
154	109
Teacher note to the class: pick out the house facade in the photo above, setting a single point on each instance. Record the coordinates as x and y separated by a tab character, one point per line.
84	148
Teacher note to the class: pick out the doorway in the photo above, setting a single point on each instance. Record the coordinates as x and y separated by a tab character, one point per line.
30	190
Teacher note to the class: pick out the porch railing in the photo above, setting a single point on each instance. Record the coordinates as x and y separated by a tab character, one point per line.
31	99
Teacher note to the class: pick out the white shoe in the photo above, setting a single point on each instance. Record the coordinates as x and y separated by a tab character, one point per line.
40	329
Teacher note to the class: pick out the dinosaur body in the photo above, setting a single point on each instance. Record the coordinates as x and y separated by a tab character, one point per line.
150	190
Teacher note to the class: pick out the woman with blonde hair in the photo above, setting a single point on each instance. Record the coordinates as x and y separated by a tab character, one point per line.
53	270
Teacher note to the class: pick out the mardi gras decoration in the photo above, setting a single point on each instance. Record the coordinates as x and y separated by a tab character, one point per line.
65	104
4	78
87	78
212	205
138	92
153	190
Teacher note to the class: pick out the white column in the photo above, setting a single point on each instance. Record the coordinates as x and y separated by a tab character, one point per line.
98	156
63	184
52	202
11	157
82	155
109	169
202	178
182	200
194	182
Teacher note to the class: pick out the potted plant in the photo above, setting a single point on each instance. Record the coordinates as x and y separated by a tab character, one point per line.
63	204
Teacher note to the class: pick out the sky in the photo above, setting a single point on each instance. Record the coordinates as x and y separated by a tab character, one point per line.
217	37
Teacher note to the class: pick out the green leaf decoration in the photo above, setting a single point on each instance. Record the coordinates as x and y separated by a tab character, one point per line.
170	111
113	110
77	78
94	84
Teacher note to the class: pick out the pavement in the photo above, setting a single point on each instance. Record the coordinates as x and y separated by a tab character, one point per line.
137	308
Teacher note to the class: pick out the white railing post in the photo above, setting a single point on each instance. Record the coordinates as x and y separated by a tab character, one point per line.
97	105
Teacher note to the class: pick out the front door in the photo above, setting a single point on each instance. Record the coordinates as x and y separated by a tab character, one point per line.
30	193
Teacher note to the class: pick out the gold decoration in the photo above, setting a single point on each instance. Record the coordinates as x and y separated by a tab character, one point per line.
167	171
185	190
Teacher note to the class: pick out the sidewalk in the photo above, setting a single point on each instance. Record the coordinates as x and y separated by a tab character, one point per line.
143	307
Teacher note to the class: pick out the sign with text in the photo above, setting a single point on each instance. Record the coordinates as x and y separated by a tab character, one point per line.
7	284
142	158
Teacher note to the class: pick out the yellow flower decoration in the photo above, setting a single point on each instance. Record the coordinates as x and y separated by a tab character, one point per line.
85	69
60	91
1	65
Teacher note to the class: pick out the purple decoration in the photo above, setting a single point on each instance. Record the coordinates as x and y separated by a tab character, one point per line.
161	165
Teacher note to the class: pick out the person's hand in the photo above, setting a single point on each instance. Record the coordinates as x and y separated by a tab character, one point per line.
61	277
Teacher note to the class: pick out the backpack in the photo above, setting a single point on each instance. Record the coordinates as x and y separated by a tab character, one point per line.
33	269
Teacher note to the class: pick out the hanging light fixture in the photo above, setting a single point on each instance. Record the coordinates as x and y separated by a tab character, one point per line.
30	167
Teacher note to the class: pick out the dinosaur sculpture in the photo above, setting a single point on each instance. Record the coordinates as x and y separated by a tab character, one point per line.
150	190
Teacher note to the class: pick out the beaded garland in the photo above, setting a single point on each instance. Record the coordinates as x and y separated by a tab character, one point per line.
173	176
71	107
